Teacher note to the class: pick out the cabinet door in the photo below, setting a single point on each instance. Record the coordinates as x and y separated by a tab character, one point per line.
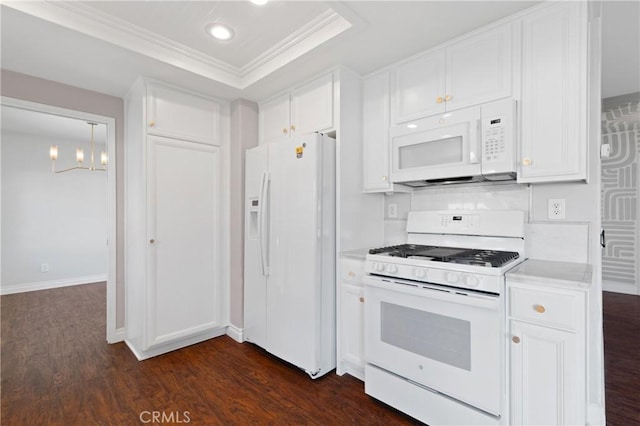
352	325
182	199
312	106
376	149
554	99
274	119
181	115
479	68
419	87
546	375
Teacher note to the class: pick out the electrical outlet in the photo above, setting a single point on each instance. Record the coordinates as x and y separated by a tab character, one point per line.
392	211
44	267
556	208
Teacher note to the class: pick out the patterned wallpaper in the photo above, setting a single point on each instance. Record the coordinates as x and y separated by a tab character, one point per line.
620	194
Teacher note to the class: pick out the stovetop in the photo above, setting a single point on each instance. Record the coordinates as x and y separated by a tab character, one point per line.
458	255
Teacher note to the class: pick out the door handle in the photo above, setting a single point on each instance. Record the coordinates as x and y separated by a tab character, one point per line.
264	205
603	242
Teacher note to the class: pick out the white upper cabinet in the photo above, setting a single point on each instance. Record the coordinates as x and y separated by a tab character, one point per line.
479	68
376	133
177	114
274	118
306	109
554	94
471	71
419	87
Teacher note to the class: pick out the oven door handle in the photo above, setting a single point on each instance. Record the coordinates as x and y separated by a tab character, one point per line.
394	288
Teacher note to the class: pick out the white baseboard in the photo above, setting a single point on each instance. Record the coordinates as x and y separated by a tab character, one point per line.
119	336
596	415
617	287
175	345
235	333
46	285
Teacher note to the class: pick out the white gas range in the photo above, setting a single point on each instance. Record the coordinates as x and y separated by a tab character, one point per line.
435	316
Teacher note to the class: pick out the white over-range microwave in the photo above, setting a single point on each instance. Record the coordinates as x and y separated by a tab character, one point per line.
467	145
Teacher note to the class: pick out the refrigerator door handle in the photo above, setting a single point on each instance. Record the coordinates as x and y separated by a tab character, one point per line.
261	220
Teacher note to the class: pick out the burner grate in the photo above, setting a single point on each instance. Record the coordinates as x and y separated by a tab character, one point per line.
460	255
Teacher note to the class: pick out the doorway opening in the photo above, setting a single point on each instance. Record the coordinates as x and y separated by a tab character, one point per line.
77	221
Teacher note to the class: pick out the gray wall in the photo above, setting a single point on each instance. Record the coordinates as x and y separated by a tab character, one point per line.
21	86
244	134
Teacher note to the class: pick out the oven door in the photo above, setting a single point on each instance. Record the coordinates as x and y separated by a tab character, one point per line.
447	340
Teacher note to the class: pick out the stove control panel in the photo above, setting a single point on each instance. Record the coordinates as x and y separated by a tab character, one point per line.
493	283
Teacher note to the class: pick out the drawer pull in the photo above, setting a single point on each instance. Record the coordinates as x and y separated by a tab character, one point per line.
515	339
361	299
539	308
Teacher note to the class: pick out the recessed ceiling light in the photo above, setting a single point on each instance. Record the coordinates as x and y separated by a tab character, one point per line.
220	31
259	2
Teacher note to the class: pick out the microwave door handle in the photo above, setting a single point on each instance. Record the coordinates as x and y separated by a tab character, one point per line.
475	145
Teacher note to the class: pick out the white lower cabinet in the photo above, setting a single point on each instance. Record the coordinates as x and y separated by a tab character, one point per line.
547	356
351	318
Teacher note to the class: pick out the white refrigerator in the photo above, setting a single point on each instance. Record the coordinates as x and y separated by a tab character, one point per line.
289	262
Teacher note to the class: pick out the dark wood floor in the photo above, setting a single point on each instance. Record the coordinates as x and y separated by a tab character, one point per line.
621	315
57	369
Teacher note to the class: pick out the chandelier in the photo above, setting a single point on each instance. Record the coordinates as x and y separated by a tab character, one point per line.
53	153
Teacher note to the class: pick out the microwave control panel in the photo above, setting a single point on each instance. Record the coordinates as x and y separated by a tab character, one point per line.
498	137
494	145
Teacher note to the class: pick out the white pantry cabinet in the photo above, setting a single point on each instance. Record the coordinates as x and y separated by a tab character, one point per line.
554	102
468	72
174	293
351	317
547	331
306	109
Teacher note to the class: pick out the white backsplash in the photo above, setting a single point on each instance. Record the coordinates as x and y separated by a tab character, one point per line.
473	197
566	241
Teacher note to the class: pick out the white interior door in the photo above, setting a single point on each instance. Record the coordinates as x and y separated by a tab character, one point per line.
183	239
293	295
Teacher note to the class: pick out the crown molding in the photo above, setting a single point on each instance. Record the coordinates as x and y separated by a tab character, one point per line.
88	20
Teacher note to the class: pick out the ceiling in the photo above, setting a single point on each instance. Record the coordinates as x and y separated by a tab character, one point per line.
105	45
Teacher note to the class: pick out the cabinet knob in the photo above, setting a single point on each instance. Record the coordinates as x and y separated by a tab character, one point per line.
384	178
439	100
361	299
447	98
351	274
515	339
539	309
285	131
293	128
152	241
152	123
526	161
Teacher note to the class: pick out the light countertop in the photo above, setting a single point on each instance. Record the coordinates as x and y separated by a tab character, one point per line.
356	254
554	274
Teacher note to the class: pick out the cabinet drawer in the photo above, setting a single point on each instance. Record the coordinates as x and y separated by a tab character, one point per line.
548	308
351	269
